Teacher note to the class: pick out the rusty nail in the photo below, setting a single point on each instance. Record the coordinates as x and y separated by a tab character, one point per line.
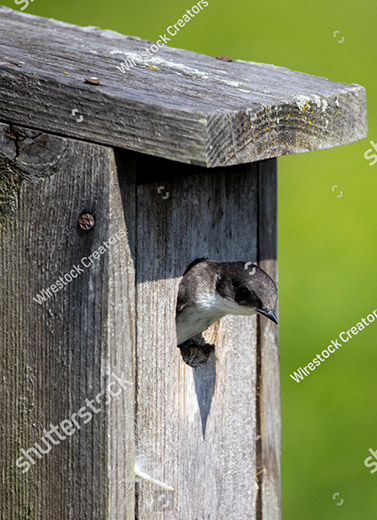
86	221
93	81
224	58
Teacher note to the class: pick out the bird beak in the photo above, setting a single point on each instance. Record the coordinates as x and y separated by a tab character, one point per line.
270	315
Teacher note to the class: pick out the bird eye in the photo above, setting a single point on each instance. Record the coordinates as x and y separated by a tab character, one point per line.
243	292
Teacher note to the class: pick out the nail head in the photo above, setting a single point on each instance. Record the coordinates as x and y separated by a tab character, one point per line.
93	81
86	221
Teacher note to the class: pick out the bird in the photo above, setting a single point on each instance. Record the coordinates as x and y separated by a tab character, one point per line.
209	290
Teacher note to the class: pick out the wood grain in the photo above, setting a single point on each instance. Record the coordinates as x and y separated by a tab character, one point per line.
177	104
57	354
268	355
196	428
212	433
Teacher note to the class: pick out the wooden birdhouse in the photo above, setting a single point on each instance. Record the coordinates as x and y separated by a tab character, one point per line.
111	183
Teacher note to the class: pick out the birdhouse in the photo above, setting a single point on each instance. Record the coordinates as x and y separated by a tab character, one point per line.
112	181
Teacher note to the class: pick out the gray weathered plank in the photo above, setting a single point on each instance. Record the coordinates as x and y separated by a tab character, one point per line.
176	104
195	428
268	354
57	354
121	325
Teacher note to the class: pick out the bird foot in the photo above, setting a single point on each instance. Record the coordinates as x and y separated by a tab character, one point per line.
194	353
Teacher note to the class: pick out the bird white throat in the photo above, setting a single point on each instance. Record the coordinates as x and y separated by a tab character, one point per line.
208	309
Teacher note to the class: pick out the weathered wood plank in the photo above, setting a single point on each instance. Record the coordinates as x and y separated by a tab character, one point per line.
268	353
176	104
195	428
121	336
58	354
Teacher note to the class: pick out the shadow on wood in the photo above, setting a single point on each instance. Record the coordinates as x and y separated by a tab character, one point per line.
205	381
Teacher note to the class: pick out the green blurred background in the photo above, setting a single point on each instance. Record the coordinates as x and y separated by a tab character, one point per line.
327	242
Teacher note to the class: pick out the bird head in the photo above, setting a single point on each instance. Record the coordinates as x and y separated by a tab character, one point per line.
247	289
